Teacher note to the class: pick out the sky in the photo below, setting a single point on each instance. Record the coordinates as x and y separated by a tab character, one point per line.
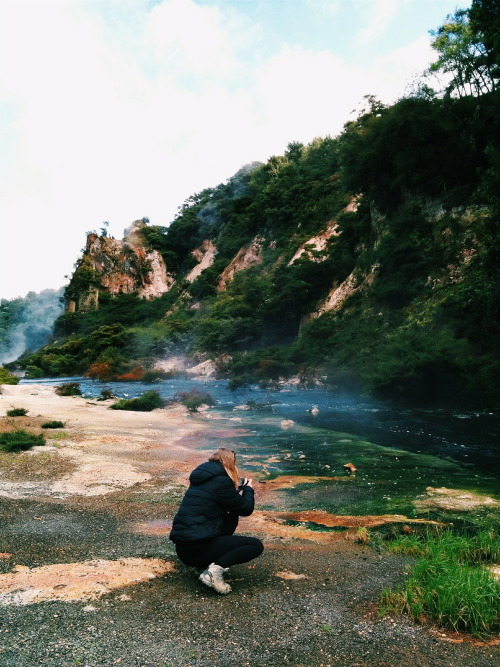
115	110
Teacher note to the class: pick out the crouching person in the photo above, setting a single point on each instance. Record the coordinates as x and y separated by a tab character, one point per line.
203	528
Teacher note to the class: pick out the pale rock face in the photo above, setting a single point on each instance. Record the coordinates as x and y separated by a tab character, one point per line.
205	256
159	281
318	244
339	295
246	257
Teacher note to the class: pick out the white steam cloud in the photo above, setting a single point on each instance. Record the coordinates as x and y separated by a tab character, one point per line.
26	324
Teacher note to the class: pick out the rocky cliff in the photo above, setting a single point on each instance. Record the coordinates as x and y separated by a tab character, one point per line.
117	267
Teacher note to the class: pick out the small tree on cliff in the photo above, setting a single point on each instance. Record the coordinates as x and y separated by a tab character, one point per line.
468	49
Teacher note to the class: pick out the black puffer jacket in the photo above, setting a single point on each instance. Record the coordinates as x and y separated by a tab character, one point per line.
211	501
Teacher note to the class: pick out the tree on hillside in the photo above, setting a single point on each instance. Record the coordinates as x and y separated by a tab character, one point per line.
485	21
468	48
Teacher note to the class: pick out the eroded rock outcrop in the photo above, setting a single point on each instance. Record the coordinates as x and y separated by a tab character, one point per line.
316	248
205	256
246	257
117	267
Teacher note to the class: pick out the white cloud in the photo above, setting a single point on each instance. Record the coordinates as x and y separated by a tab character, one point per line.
302	94
126	116
189	39
377	16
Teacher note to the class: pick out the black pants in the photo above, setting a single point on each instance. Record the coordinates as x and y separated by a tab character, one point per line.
225	550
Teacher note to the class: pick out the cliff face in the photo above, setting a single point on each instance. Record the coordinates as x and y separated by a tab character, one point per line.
246	257
117	267
205	256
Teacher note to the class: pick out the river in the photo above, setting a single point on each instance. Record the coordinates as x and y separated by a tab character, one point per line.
398	453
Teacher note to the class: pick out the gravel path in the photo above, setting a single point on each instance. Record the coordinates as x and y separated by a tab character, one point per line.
299	604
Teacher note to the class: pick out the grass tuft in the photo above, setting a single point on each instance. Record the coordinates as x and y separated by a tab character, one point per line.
449	585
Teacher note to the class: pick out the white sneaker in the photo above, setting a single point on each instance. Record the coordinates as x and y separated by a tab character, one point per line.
212	577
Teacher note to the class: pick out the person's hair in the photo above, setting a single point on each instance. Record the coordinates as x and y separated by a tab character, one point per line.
227	458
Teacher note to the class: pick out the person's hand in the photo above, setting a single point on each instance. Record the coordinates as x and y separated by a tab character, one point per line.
246	481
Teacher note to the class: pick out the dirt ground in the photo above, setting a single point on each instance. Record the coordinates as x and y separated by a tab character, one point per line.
88	576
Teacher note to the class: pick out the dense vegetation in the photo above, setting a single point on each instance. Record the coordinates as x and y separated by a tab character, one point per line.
418	257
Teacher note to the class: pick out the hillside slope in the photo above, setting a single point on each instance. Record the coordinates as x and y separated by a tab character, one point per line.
369	261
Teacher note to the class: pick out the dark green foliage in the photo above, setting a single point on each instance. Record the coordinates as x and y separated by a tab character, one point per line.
69	389
484	18
34	373
16	441
406	255
151	376
6	377
17	412
123	309
194	398
75	354
53	424
149	401
84	278
416	148
264	367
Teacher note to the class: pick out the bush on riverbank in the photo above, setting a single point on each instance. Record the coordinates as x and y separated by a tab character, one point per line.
69	389
6	377
53	424
194	398
150	400
19	440
449	584
17	412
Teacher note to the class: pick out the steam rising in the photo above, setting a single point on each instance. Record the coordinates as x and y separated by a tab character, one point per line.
26	323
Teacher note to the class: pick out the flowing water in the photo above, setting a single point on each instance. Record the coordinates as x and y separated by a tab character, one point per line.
398	453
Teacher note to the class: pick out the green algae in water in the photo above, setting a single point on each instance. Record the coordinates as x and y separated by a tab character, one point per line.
388	480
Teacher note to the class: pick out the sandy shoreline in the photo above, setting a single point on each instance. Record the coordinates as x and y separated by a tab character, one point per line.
111	449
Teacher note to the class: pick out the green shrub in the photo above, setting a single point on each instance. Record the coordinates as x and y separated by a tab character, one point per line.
69	389
34	373
17	412
53	424
19	440
193	398
105	395
449	585
151	376
150	400
6	377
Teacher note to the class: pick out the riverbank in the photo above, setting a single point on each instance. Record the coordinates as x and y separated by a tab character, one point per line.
90	578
